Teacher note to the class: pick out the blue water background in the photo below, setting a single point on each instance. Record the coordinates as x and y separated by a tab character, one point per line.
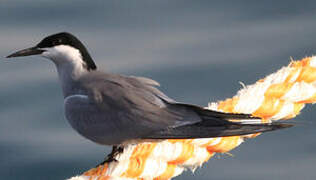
197	50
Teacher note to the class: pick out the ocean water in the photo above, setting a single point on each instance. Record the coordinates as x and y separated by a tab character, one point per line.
197	50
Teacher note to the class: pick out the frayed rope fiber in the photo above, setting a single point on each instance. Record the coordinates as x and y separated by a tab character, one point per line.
281	95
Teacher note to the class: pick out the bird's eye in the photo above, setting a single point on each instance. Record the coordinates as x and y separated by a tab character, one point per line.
57	42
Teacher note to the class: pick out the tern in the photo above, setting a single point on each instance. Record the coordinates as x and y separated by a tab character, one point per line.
113	109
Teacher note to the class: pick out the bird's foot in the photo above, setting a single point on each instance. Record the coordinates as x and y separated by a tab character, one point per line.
116	150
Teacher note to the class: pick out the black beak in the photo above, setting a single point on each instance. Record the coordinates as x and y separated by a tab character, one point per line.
27	52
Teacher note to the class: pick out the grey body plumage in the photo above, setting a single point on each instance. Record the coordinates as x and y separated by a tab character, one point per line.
112	109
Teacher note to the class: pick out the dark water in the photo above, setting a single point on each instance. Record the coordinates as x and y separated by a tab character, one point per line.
197	50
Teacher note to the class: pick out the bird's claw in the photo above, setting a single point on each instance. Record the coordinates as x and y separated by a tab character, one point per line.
111	157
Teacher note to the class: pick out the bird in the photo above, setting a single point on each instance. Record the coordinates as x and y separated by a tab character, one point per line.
114	109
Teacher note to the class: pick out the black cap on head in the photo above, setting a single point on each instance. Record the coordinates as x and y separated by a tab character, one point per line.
65	38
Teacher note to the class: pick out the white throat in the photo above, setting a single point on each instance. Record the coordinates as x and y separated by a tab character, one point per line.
69	63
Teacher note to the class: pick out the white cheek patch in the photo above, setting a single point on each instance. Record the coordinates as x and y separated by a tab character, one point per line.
46	53
63	53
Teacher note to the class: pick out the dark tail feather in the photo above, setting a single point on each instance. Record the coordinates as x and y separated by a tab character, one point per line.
199	130
216	124
216	118
215	114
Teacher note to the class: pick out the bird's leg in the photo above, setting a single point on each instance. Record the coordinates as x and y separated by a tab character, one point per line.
111	157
